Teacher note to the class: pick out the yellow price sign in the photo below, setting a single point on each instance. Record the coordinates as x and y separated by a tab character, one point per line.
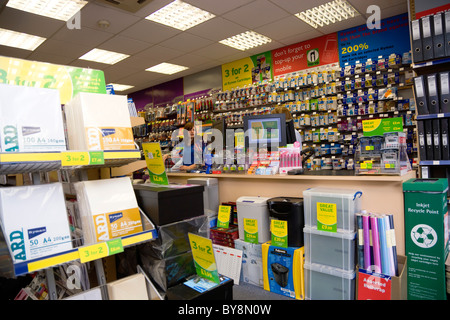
203	255
82	158
223	218
100	250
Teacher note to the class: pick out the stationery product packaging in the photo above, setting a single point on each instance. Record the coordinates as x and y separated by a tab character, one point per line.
283	271
31	119
98	122
133	287
34	221
108	209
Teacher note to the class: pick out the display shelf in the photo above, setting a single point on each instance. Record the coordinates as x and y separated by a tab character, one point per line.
433	116
26	267
435	163
30	162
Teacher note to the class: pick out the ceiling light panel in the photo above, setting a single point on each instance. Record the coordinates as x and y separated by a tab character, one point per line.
166	68
19	40
120	87
246	40
180	15
327	13
104	56
56	9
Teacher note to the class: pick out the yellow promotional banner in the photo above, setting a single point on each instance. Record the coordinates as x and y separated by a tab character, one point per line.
237	74
203	255
68	80
155	163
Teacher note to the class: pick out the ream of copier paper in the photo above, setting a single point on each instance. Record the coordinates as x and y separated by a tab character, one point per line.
31	119
34	221
129	288
108	209
99	122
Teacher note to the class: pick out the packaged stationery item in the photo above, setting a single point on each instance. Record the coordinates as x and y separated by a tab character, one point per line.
98	122
30	119
108	209
34	221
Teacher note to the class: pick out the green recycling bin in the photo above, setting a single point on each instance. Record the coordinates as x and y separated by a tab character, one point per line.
426	237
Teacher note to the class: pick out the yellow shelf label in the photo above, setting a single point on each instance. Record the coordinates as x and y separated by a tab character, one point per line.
82	158
100	250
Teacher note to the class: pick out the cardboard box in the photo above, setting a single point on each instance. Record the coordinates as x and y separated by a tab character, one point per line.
397	286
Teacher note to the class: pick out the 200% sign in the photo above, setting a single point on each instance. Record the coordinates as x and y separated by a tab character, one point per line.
355	48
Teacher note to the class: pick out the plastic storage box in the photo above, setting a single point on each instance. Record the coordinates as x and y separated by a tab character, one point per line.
210	195
327	283
333	249
331	209
254	208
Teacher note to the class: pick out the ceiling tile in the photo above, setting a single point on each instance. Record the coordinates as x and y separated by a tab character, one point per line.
256	14
118	21
284	28
84	36
186	42
301	37
298	6
215	51
149	31
124	45
21	21
218	7
217	29
62	48
50	58
14	52
158	53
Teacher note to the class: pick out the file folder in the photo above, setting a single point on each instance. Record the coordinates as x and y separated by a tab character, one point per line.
429	139
433	93
444	139
427	37
444	91
447	33
417	51
438	35
421	140
420	95
436	139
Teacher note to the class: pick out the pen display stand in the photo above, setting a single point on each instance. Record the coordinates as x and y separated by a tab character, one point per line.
384	155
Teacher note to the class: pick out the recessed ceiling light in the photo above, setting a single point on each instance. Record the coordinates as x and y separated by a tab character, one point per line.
180	15
327	13
166	68
104	56
19	40
120	87
246	40
56	9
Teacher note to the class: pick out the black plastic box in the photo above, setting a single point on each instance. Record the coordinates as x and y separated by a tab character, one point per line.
223	291
168	204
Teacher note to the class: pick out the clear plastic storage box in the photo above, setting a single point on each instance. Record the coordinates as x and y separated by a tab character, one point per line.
327	283
331	209
334	249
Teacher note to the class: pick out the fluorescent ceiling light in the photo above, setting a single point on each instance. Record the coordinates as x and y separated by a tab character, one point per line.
166	68
180	15
120	87
104	56
327	13
56	9
246	40
19	40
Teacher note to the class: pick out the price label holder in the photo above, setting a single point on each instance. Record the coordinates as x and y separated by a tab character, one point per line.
82	158
100	250
204	259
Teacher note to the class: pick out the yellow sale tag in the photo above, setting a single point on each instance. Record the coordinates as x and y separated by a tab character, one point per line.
100	250
223	218
82	158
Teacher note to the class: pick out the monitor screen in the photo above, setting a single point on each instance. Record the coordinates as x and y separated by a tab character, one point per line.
265	130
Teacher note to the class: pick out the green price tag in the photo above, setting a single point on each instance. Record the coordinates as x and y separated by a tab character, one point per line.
223	219
251	230
203	255
279	233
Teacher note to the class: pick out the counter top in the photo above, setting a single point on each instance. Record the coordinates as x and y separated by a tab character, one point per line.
388	178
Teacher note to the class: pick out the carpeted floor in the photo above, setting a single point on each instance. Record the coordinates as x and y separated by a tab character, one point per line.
245	291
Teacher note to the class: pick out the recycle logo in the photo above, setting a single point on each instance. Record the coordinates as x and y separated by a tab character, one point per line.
424	236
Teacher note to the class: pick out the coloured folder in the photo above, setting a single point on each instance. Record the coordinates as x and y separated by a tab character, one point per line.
427	37
444	91
417	51
437	21
420	93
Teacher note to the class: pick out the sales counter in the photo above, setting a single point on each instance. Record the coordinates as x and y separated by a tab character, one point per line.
381	194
